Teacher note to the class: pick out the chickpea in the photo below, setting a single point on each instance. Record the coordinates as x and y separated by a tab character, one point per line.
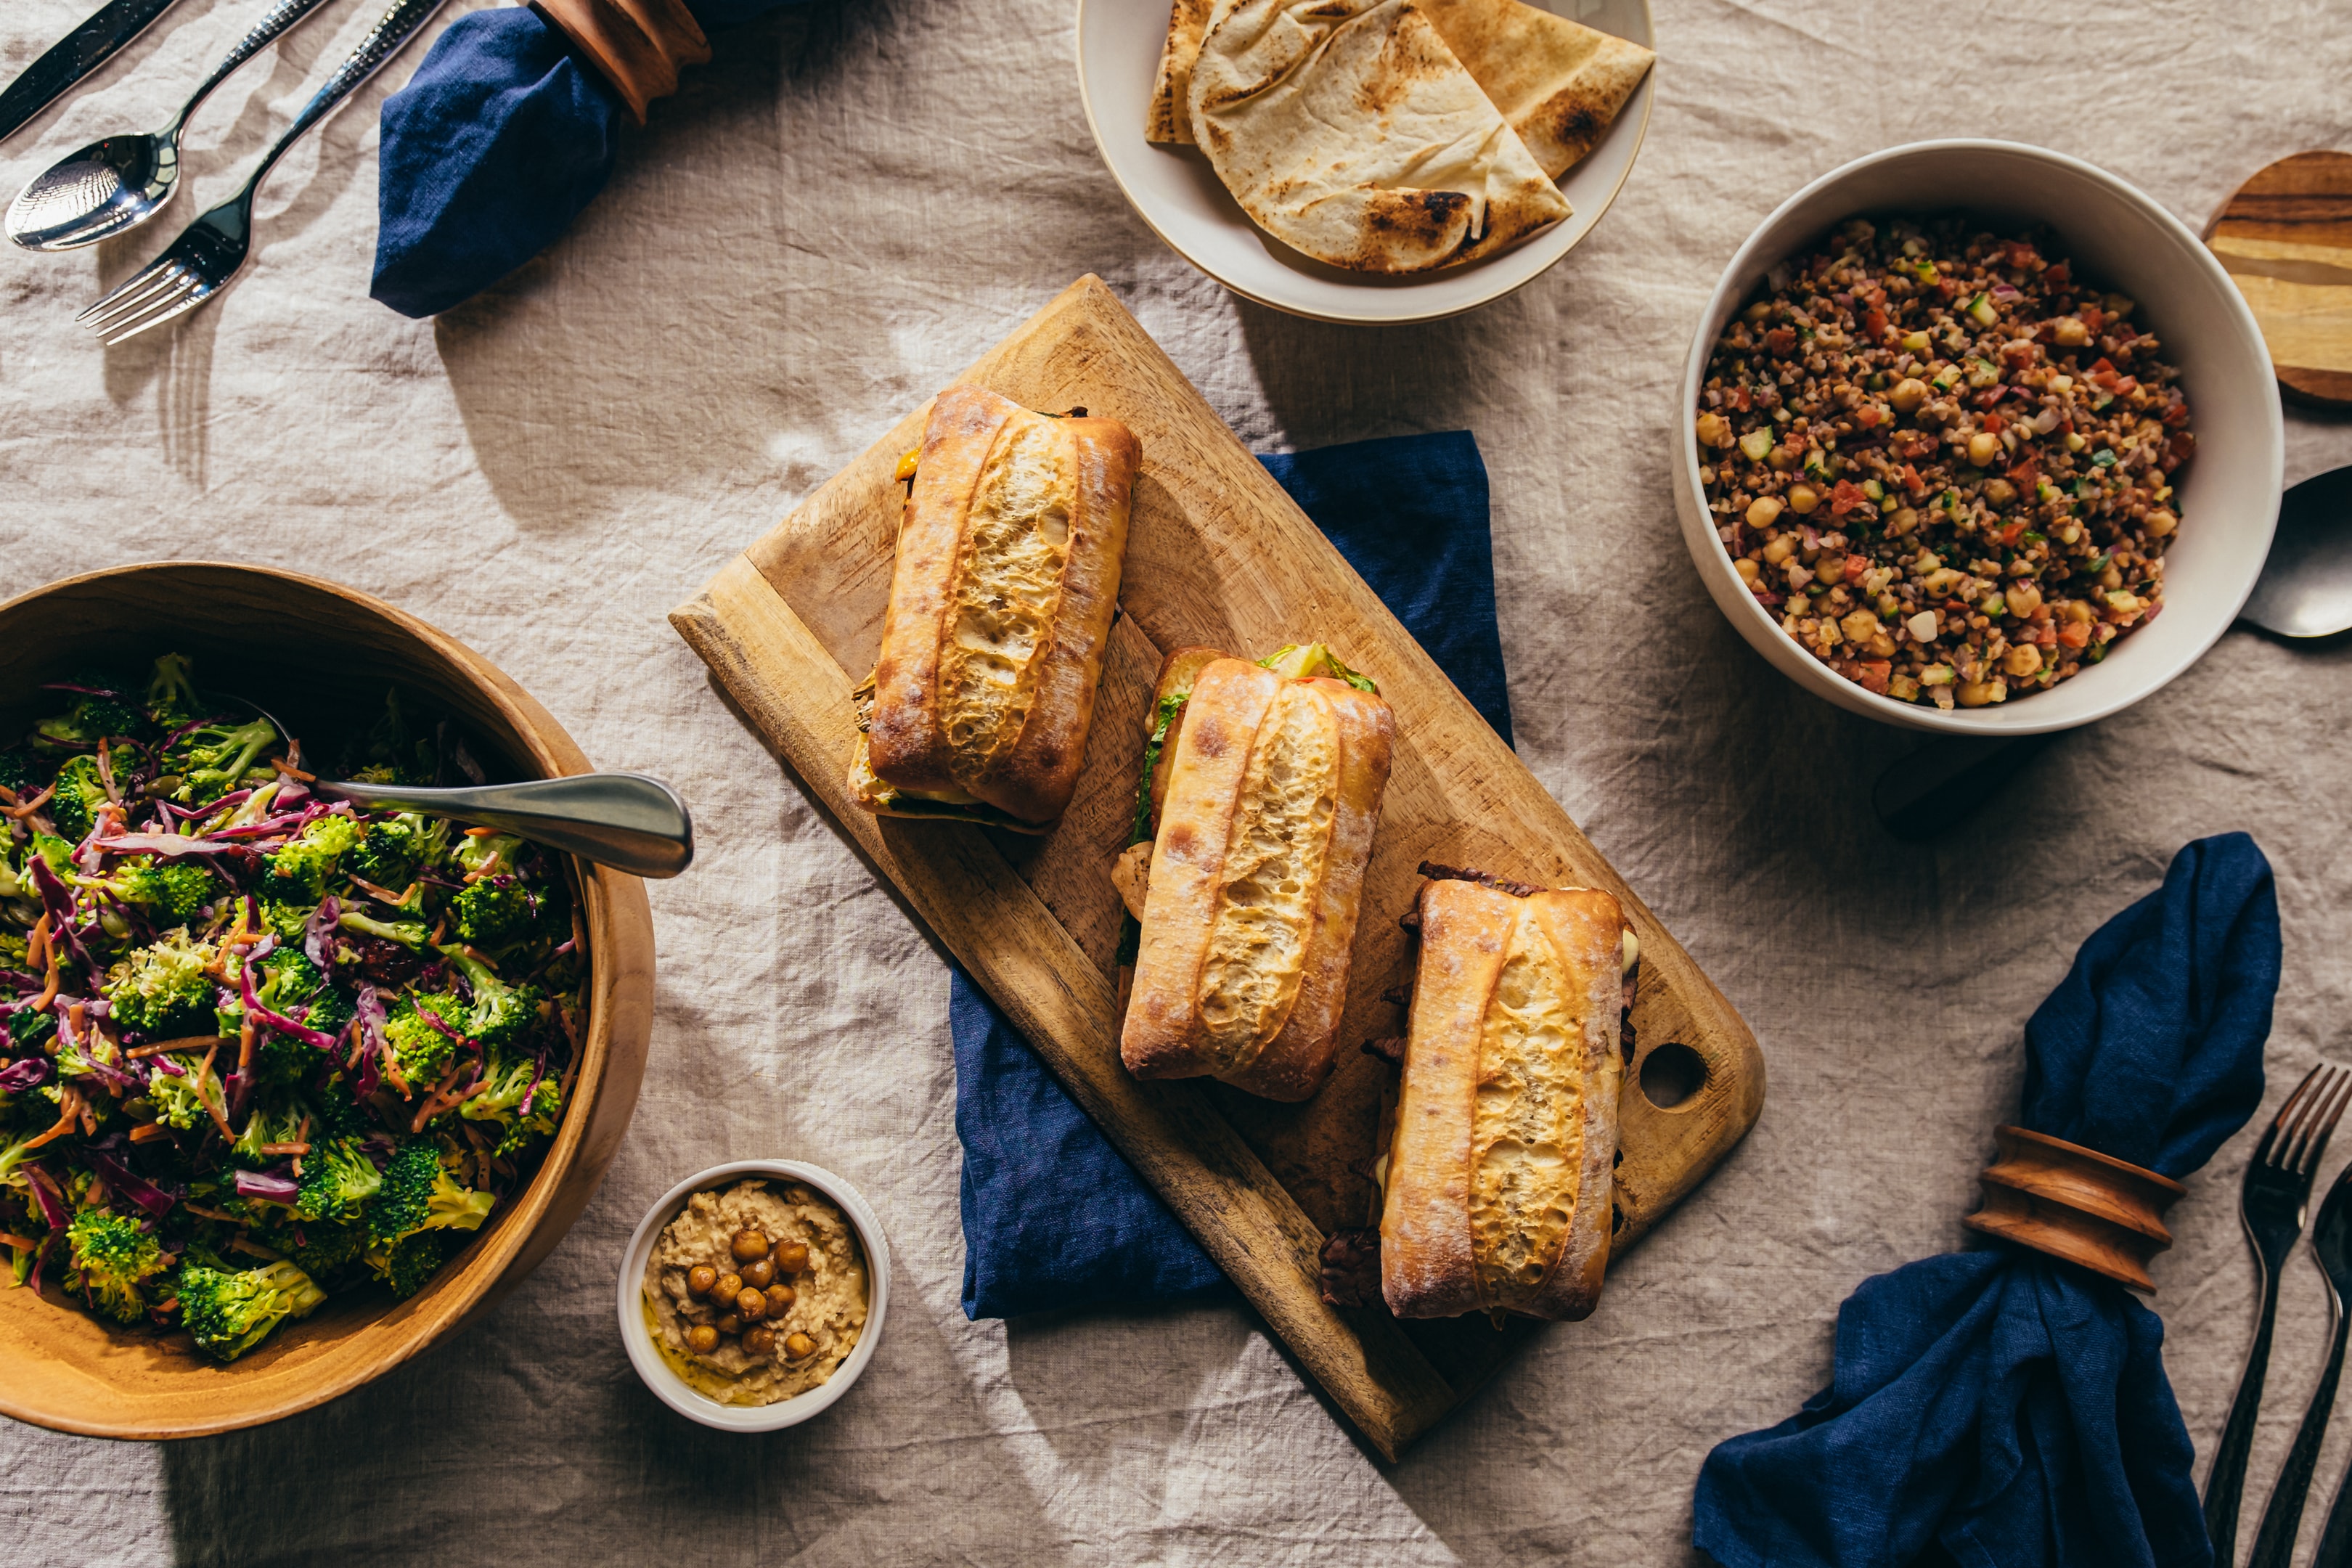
780	1298
751	1305
748	1244
2160	522
1830	568
702	1339
1998	492
702	1279
2080	613
760	1342
1860	627
1714	430
2071	334
1983	447
1748	570
2023	598
1802	499
759	1273
1977	693
2024	660
1910	392
1780	460
1763	512
727	1287
793	1257
798	1345
730	1324
1904	520
1779	549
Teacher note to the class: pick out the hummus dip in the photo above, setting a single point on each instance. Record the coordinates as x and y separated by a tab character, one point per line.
829	1294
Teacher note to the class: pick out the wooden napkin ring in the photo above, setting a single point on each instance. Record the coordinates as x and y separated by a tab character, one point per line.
638	45
2076	1203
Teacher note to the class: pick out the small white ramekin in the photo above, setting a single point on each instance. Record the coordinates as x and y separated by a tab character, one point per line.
673	1389
2229	498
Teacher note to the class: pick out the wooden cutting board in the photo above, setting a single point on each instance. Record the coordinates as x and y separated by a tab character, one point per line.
1218	554
2285	239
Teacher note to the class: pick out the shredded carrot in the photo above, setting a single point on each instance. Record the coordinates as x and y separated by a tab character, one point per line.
481	832
220	1215
291	772
185	1043
36	944
21	1243
247	1038
203	1075
25	808
150	1132
285	1149
71	1101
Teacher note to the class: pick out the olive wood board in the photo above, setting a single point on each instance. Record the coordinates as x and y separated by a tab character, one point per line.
1218	554
2285	239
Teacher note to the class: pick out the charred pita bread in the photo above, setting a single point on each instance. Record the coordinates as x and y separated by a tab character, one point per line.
1560	83
1351	133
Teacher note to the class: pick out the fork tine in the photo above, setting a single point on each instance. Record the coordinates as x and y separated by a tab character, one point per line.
135	318
2280	1123
105	318
2322	1124
156	317
2308	1096
137	286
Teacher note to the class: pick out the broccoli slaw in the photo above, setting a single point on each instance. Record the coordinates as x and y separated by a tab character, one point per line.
259	1048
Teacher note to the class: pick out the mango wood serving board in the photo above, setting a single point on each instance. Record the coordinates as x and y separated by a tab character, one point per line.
2286	241
1218	554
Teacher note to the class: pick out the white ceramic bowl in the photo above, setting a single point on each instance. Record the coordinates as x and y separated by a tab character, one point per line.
672	1390
1175	190
2229	495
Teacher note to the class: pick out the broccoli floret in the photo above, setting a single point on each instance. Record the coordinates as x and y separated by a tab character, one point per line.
410	934
23	773
172	690
337	1180
408	1265
394	848
488	853
79	795
167	890
488	914
299	872
114	1256
501	1102
161	986
291	985
277	1123
175	1101
211	759
325	1247
418	1194
103	712
421	1051
502	1014
227	1314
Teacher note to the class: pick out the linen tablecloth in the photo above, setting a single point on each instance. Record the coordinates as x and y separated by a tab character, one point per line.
822	228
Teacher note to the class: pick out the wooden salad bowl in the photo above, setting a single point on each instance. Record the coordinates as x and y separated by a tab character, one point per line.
65	1369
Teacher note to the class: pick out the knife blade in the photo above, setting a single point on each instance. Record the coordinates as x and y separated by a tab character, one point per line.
74	56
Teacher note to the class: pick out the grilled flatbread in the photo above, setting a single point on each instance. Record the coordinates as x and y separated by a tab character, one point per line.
1352	134
1560	83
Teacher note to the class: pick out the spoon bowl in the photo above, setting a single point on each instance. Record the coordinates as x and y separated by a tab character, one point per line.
2305	588
110	185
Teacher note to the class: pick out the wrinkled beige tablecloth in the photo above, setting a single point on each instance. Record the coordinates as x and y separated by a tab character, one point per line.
829	222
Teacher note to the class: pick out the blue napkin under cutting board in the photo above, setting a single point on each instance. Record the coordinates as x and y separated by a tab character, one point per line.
496	144
1053	1217
2006	1407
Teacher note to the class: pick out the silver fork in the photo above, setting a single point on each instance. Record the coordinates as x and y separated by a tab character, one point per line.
2331	1249
201	262
2277	1189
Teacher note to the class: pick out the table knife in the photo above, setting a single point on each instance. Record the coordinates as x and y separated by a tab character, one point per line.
81	52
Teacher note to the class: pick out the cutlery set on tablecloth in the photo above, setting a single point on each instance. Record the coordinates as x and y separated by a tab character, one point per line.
118	183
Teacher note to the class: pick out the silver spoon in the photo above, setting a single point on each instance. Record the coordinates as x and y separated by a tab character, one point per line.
626	821
2305	588
120	182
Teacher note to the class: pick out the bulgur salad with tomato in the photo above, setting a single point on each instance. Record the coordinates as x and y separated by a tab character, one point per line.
1943	460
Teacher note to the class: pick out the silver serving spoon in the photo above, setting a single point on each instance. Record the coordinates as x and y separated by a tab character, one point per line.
118	183
2305	588
626	821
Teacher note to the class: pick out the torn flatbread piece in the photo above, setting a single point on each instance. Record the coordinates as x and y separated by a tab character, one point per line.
1169	119
1354	136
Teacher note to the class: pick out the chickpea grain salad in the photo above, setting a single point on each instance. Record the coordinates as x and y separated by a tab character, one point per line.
756	1291
1943	460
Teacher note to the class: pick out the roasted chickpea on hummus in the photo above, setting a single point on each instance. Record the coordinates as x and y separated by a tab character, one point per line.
756	1291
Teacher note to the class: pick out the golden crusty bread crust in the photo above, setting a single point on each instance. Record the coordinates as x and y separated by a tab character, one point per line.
1001	601
1500	1186
1256	872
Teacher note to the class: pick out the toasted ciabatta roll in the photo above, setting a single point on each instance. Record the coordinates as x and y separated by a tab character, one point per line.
1498	1177
1255	876
1001	601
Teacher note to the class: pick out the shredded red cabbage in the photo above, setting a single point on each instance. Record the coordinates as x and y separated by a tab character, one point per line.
119	1176
267	1187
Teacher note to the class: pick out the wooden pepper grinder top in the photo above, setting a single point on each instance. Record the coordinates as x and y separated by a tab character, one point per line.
639	44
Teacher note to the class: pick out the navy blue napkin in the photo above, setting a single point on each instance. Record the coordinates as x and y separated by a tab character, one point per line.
1053	1217
496	144
2003	1406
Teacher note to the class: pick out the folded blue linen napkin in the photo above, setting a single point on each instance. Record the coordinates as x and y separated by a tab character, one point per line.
2002	1405
496	144
1053	1217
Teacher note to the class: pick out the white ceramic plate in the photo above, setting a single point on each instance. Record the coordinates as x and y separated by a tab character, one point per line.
2228	496
671	1389
1175	190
